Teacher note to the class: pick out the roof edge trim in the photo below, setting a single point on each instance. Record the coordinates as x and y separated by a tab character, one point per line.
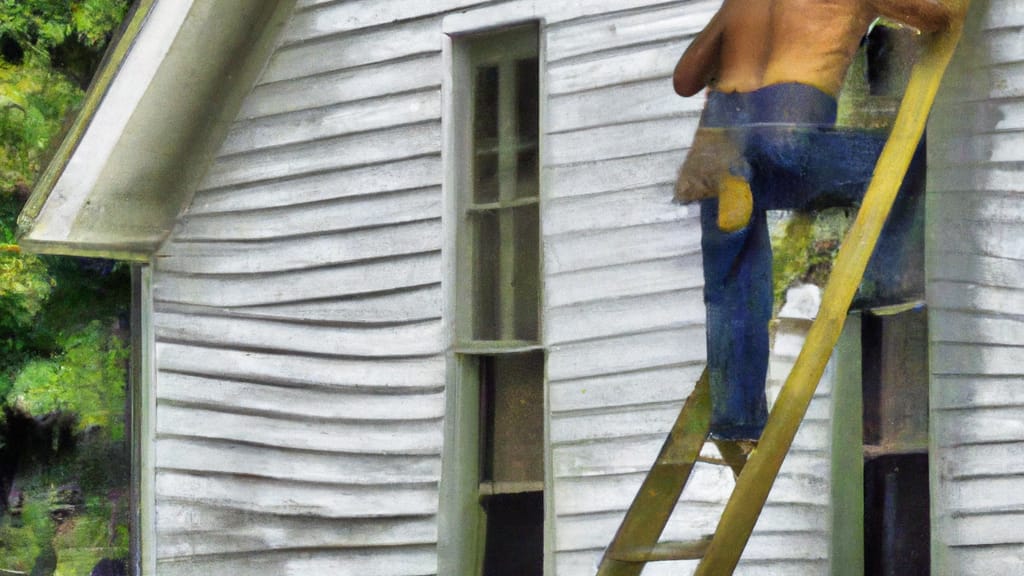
141	252
94	96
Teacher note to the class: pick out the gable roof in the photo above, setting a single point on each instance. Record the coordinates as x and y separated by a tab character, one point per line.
151	121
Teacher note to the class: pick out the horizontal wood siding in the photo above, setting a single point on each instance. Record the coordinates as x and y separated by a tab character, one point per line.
298	318
300	343
975	291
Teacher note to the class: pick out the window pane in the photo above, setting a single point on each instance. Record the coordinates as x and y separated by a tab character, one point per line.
485	177
512	414
897	529
485	111
515	535
526	173
527	271
527	90
485	275
527	93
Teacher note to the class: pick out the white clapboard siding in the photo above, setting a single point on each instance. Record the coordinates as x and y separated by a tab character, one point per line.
220	457
296	253
619	141
679	272
330	154
347	85
359	48
300	344
400	560
613	175
368	277
312	219
297	370
296	402
389	176
410	304
330	19
975	290
325	122
218	528
414	339
649	99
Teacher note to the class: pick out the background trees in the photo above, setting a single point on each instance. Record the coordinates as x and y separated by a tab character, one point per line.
64	460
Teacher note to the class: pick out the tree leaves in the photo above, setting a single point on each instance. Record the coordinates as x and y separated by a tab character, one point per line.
87	379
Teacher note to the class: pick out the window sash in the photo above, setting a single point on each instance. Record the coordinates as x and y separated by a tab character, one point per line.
498	275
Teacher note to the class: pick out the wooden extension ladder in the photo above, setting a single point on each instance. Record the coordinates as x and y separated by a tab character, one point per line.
636	542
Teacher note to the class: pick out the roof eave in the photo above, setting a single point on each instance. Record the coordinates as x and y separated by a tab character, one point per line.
150	126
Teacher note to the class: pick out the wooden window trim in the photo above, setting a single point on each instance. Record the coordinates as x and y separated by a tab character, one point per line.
462	517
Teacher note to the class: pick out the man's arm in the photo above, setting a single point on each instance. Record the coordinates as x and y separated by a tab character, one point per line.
700	61
925	15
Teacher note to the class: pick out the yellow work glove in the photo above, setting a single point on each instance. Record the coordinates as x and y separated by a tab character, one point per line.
735	204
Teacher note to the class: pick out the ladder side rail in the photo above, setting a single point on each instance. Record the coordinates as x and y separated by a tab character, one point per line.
657	497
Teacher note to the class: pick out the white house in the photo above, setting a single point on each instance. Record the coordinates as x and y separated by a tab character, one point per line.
402	261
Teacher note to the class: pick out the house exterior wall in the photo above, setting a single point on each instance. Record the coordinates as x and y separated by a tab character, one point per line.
975	291
299	302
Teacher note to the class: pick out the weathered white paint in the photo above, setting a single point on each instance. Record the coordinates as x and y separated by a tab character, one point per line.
294	253
344	182
346	85
309	284
975	287
326	155
312	219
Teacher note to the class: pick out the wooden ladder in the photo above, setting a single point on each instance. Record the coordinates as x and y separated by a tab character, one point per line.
637	541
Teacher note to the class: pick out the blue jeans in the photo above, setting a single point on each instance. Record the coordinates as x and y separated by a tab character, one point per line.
796	159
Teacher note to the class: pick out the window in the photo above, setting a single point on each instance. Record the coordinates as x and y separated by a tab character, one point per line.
497	295
500	224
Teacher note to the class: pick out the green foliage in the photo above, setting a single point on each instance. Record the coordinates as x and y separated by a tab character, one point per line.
61	362
24	286
48	24
87	379
50	48
804	246
34	99
24	538
98	532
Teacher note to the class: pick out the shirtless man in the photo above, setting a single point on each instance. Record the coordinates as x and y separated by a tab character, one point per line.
771	66
809	42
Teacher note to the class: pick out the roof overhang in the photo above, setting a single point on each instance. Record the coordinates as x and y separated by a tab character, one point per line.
151	122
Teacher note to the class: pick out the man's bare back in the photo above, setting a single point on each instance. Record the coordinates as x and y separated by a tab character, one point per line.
754	43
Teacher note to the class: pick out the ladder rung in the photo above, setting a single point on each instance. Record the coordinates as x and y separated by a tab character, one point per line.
665	551
712	460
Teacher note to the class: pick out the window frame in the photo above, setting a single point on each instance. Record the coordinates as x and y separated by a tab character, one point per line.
142	391
462	522
525	38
